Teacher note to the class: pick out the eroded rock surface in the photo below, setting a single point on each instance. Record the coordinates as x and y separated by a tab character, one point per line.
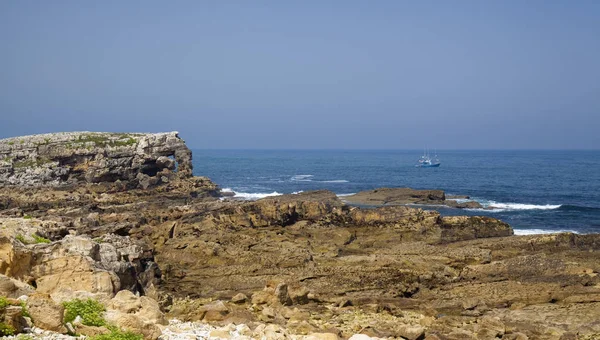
305	266
93	157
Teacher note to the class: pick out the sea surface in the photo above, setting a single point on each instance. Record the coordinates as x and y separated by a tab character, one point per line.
534	191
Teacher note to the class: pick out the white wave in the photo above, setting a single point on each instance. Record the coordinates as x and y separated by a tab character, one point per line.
521	206
344	195
226	190
334	181
255	196
541	231
302	178
297	192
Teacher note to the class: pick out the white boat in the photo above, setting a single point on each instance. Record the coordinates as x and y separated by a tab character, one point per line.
427	162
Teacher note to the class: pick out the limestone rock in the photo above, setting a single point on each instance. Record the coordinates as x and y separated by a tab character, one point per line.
46	313
92	157
137	314
239	298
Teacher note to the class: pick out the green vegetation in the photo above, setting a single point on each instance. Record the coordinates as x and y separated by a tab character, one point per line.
21	238
117	334
36	239
4	302
39	239
89	310
103	141
27	217
24	337
24	310
31	163
11	143
6	330
7	159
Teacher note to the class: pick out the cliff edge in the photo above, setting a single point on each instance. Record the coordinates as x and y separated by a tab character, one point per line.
68	158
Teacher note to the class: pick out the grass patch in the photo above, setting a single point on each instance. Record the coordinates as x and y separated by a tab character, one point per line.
27	217
40	239
30	163
37	239
117	334
11	143
89	310
103	141
6	330
22	239
4	302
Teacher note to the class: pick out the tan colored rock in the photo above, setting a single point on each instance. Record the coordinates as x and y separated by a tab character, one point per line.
133	323
214	311
219	334
46	314
411	332
90	331
12	288
125	302
239	298
321	336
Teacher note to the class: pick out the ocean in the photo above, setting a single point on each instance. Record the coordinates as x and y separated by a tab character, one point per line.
534	191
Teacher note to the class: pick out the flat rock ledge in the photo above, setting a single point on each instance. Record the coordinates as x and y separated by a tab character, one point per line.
70	158
404	196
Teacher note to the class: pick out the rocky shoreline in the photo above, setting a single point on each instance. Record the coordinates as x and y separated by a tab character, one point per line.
119	219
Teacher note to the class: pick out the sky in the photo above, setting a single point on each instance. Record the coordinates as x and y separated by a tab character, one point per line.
307	74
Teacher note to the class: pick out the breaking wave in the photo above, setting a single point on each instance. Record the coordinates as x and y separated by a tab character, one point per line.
251	196
541	231
310	178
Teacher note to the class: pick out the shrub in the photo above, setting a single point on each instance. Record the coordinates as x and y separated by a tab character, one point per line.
117	334
6	330
39	239
3	302
89	310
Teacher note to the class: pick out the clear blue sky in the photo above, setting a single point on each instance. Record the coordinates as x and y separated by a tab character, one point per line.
307	74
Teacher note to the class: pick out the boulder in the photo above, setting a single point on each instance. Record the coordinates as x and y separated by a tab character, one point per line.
46	313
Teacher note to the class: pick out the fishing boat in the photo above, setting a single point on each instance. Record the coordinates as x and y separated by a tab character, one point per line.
427	162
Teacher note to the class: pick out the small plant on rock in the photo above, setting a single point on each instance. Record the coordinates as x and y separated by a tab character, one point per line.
117	334
21	238
89	310
4	302
39	239
6	330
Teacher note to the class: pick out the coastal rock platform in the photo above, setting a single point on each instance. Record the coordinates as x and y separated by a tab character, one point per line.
301	266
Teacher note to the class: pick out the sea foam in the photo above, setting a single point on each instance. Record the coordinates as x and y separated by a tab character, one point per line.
541	231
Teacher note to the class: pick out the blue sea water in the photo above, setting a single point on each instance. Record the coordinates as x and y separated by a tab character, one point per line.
533	191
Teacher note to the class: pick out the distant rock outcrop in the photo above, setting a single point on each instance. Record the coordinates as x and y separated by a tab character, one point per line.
402	196
93	157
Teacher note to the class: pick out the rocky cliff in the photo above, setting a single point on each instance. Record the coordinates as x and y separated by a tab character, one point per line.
92	157
109	216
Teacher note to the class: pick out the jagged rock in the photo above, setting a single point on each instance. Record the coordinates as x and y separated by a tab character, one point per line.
46	313
12	288
137	314
91	157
